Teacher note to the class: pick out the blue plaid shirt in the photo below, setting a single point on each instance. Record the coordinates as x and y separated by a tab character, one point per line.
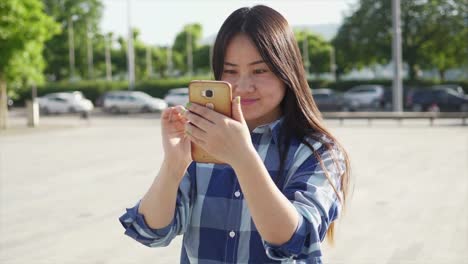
213	216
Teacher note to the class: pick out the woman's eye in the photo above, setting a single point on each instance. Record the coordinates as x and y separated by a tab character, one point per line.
259	71
229	71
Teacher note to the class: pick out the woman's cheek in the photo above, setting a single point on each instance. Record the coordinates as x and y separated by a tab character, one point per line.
229	79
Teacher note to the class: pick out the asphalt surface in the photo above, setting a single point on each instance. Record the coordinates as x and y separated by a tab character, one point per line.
64	184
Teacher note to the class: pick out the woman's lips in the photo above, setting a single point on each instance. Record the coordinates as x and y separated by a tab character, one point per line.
248	101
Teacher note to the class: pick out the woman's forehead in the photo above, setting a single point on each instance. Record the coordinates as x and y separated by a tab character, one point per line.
242	50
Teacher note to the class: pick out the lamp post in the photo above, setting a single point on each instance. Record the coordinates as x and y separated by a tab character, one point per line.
189	54
108	43
333	63
149	66
397	58
71	47
169	61
89	38
130	51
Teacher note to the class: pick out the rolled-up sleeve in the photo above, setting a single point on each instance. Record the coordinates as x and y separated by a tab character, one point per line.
315	200
137	228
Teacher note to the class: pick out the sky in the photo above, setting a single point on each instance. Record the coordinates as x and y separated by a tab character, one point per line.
159	21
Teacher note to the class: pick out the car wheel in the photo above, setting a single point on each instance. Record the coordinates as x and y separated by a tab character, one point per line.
417	108
464	108
145	109
114	110
45	111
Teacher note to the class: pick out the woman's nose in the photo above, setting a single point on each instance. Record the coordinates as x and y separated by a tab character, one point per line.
244	84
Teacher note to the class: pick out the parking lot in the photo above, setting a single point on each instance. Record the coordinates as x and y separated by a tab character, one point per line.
64	184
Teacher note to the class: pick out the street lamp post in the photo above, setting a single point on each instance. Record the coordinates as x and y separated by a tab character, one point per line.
90	52
169	61
333	63
189	54
108	42
397	58
149	66
71	47
130	51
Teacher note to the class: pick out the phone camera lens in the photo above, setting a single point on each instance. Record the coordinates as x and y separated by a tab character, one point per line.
209	93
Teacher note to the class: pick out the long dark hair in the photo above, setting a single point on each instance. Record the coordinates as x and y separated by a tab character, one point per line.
275	41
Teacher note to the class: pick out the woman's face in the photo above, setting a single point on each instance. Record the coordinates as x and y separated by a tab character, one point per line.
260	90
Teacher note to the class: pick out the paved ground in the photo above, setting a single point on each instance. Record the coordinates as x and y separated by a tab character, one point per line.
64	185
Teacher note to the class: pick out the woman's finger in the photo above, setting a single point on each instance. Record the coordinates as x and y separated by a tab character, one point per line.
207	113
199	121
194	134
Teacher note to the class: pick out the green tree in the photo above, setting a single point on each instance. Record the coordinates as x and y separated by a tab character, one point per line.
24	27
318	50
160	66
201	59
83	17
179	48
365	38
450	49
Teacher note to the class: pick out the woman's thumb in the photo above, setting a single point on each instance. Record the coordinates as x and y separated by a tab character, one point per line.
237	110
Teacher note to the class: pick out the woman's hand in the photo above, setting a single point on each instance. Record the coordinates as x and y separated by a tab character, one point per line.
226	139
175	142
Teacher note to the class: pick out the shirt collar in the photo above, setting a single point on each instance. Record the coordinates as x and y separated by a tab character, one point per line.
272	128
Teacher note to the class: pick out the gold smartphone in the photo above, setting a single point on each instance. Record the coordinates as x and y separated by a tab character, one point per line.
216	95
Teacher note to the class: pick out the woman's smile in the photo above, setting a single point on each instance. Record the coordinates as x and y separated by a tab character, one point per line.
248	101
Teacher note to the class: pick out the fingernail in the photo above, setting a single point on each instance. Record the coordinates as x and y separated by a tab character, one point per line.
238	99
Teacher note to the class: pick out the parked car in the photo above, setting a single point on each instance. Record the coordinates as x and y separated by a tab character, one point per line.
365	96
387	101
64	102
439	98
329	100
132	101
177	96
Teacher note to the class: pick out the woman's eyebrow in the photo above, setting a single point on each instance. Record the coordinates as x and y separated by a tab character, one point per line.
252	63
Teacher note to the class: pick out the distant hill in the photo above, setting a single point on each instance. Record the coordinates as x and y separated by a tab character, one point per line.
327	31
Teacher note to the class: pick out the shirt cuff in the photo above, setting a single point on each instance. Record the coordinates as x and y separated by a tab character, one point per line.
291	248
133	221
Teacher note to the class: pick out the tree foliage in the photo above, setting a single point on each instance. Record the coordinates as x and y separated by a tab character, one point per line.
84	16
433	35
24	27
318	50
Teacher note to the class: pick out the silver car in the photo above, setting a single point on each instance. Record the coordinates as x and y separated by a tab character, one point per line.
64	102
177	96
132	101
365	96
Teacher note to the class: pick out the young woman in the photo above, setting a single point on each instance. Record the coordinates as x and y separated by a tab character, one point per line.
286	177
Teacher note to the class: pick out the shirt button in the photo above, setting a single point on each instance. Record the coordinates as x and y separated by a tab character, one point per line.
237	194
232	234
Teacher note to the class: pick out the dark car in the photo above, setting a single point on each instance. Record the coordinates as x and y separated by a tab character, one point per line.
439	98
329	100
387	102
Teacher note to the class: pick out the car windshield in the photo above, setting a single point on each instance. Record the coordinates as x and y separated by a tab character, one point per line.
142	96
78	96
